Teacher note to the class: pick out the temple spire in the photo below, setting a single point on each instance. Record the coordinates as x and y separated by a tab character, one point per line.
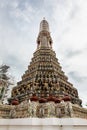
44	39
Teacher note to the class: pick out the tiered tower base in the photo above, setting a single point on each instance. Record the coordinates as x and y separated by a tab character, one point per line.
42	110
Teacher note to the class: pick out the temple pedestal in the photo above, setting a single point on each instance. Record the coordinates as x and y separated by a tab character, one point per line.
43	124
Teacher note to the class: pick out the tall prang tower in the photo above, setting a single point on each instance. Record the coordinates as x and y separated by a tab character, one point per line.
44	80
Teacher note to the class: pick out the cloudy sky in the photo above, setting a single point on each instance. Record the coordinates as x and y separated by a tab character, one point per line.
19	27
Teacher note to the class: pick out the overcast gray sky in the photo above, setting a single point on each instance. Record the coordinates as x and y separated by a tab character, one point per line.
19	27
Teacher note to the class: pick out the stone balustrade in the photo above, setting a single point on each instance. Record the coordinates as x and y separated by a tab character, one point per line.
42	110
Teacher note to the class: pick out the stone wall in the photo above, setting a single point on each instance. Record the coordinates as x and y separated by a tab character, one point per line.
43	124
5	110
42	110
79	112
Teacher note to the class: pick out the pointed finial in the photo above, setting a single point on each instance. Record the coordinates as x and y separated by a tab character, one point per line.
44	26
43	18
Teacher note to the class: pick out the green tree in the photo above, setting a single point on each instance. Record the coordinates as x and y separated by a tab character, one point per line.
3	72
5	78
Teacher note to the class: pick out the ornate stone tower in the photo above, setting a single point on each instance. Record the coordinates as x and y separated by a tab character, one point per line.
44	80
